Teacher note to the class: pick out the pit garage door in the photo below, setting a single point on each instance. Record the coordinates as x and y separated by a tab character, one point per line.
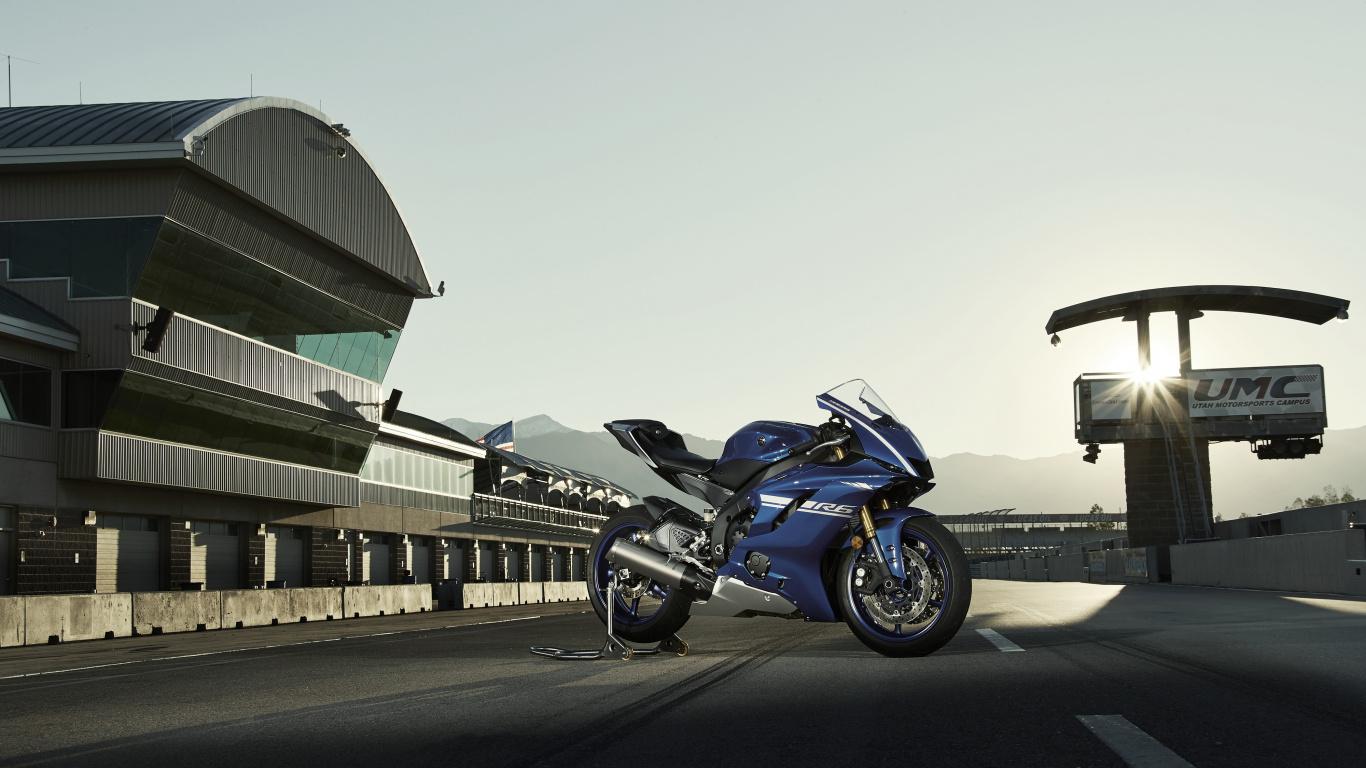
377	559
7	525
455	560
537	556
127	554
216	555
285	556
514	564
420	560
488	561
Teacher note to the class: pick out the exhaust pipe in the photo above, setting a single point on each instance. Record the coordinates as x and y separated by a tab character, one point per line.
658	566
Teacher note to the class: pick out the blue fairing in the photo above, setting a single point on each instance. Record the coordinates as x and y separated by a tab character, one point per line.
892	443
765	441
831	496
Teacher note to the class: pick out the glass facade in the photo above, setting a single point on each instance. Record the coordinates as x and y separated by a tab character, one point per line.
391	466
148	407
25	393
86	395
198	277
103	257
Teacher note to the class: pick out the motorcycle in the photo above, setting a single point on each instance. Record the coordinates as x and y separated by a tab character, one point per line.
805	522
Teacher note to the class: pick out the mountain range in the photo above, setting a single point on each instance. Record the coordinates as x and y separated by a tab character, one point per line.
967	482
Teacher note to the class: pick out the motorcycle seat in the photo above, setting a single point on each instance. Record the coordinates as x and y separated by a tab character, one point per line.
679	460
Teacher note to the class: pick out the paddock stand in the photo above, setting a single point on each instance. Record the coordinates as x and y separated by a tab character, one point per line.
613	647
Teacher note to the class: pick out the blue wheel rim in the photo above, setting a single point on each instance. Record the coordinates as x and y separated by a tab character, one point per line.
933	557
627	610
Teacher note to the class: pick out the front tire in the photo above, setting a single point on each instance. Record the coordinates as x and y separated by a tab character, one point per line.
645	610
926	610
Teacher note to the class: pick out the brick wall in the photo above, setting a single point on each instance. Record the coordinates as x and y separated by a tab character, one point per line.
500	571
327	558
255	567
438	565
57	558
524	562
548	563
1152	496
176	541
472	555
398	558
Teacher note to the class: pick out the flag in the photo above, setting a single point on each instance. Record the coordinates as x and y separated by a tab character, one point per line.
500	437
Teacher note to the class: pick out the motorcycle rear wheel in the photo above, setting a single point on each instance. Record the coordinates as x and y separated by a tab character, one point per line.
937	566
645	611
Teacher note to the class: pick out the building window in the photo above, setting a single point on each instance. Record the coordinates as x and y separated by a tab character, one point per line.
25	393
212	283
214	529
388	465
149	407
126	522
103	257
85	397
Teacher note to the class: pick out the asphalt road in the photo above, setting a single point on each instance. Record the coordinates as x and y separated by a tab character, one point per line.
1211	677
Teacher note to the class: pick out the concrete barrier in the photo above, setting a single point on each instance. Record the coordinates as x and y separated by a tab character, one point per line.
1064	567
1356	578
1017	569
1136	565
1036	569
77	617
565	591
389	600
1299	562
157	612
489	595
11	621
264	607
1095	566
530	592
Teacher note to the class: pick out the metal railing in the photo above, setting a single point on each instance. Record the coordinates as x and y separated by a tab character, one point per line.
510	513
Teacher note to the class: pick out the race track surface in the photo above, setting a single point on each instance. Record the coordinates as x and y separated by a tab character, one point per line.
1205	677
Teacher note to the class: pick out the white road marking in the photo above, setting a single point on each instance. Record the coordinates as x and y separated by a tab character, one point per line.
997	640
1136	748
264	647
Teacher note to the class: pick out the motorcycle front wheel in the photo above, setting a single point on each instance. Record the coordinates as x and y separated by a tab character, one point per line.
644	611
922	613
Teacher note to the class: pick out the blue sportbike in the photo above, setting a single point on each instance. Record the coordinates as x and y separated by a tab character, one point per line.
805	522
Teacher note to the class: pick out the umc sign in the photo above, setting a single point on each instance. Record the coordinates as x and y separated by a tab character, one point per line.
1166	424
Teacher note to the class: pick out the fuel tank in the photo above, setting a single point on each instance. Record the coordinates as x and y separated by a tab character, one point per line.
765	441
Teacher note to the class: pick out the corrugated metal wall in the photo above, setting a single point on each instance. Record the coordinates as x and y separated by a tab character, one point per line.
210	351
86	194
77	453
217	213
19	441
102	344
130	459
288	161
403	497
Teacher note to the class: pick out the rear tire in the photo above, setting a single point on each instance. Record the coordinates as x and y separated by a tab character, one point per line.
946	580
657	612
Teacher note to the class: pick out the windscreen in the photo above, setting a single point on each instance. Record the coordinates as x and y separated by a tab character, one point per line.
860	397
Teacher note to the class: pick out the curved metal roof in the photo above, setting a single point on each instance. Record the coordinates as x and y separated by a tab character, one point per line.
1276	302
97	124
169	131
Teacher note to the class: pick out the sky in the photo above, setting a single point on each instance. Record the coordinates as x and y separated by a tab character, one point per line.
707	213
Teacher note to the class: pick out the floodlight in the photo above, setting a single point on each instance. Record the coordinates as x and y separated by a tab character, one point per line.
1056	340
1342	316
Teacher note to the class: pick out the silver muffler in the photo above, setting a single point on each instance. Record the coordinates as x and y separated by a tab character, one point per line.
657	565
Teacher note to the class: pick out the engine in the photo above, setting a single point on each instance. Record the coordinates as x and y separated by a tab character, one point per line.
682	533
